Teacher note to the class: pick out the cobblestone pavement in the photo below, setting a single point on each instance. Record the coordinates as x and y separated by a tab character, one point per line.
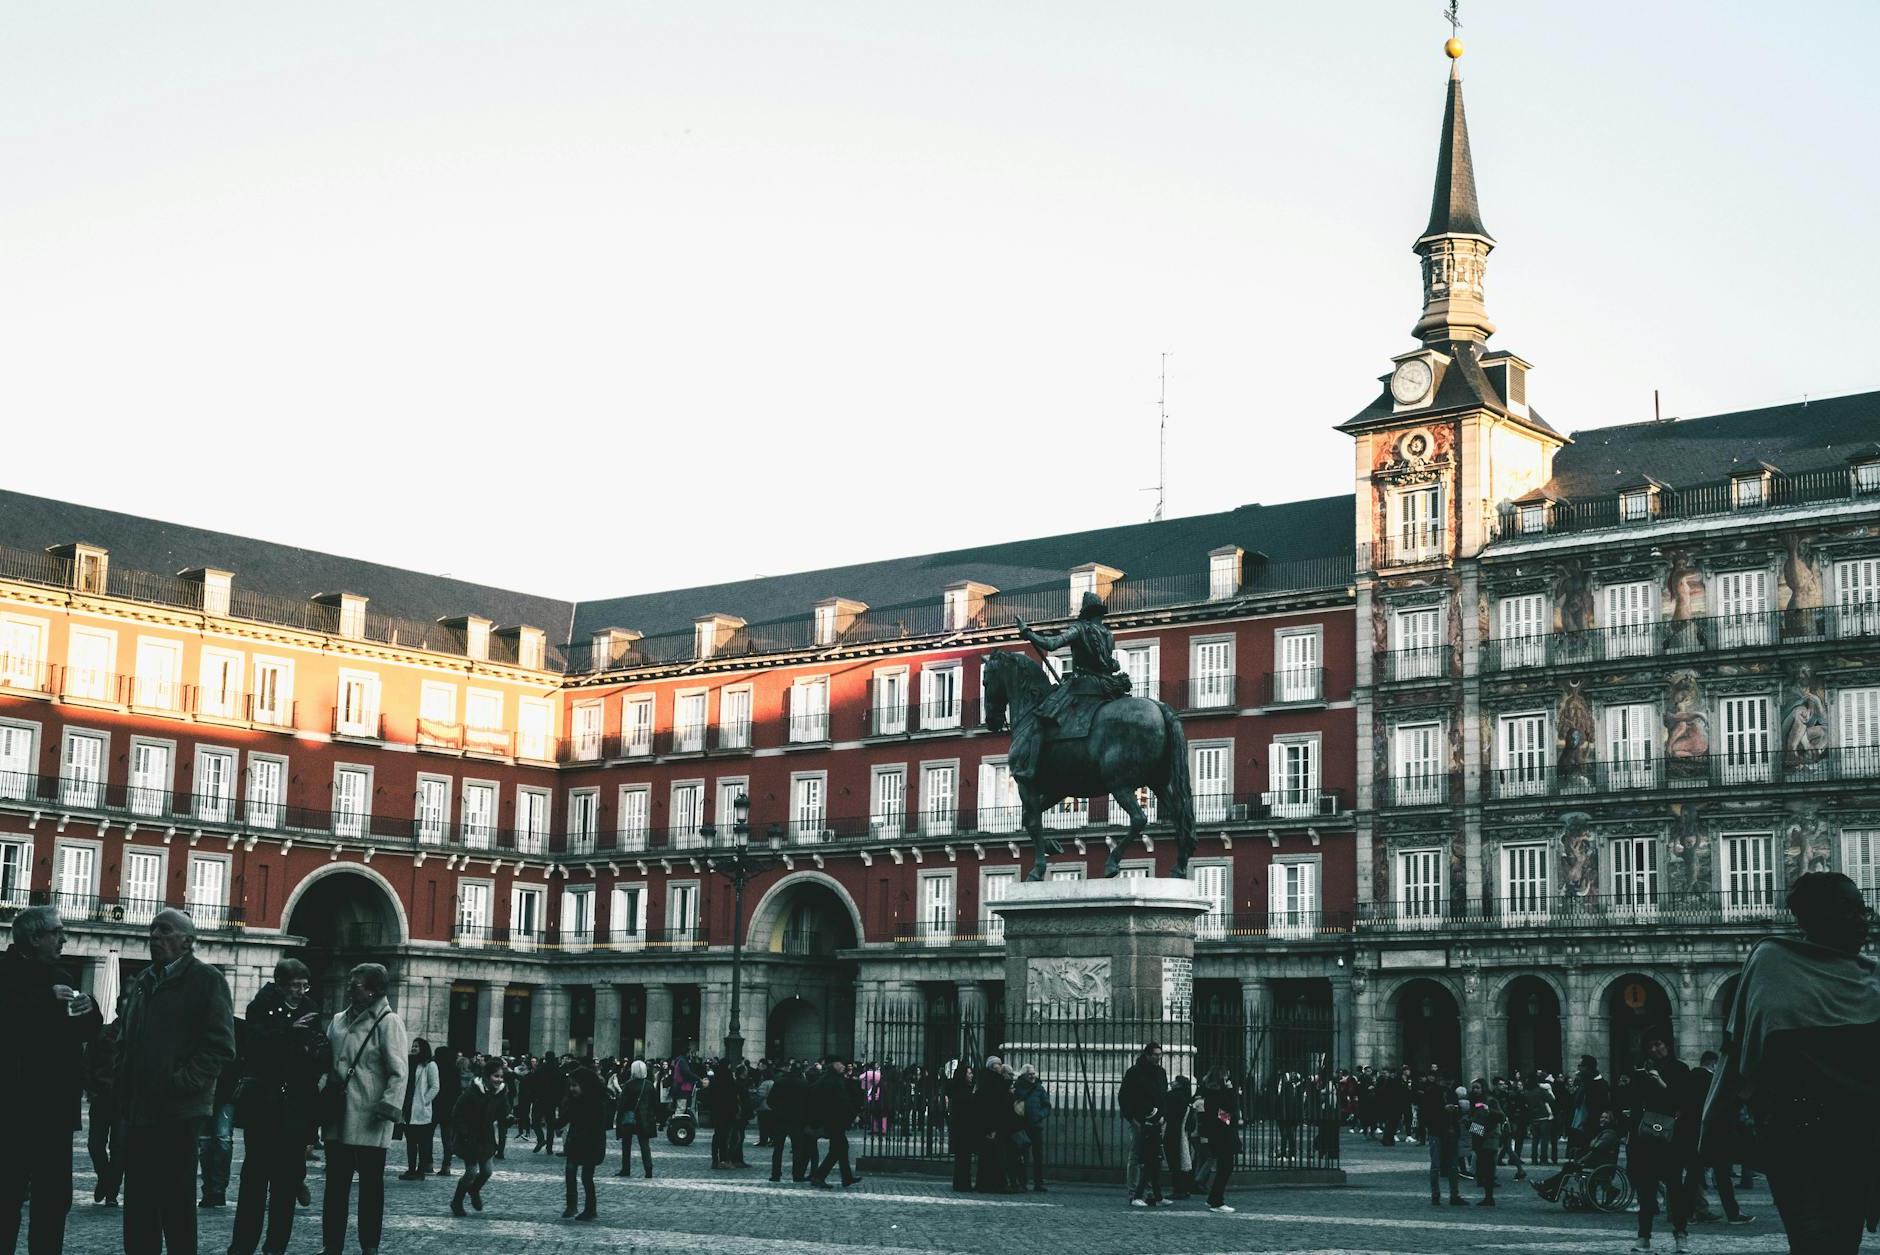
689	1207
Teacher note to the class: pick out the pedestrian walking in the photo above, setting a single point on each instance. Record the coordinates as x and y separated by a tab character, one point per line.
834	1111
1662	1141
215	1142
1139	1099
1444	1125
584	1115
1037	1104
286	1053
178	1035
104	1139
635	1117
44	1026
453	1074
421	1092
1178	1127
1219	1134
788	1109
480	1111
1485	1123
962	1126
363	1099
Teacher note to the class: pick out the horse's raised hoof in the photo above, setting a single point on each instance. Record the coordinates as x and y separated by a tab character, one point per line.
1053	847
1113	868
1180	870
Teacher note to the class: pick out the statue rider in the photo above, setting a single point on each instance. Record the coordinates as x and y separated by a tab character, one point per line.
1094	672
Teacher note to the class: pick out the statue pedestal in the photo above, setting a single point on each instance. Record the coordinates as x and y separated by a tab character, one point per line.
1119	949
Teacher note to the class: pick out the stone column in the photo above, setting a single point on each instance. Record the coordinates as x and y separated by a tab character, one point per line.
606	1021
714	1006
490	1017
1363	716
1474	1027
548	1020
1474	872
1344	1020
1690	1019
659	1021
754	1018
1576	1020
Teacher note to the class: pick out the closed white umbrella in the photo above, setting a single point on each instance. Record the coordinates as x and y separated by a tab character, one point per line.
106	987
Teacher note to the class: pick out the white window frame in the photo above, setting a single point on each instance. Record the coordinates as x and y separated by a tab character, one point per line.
734	732
360	718
148	793
76	790
627	898
1419	779
483	709
991	923
1628	617
1421	886
262	668
1857	730
633	822
583	820
533	928
637	715
687	926
479	828
16	872
724	806
1068	871
1283	886
940	798
1418	643
220	694
1743	604
1746	868
1523	753
1635	505
886	716
999	810
1417	521
587	722
1141	660
259	810
22	667
19	759
1223	576
431	809
346	824
535	729
1295	767
937	903
142	907
688	733
683	796
90	683
208	910
1749	492
474	928
1746	728
214	806
1635	881
887	801
1213	879
1857	597
937	709
576	934
1300	678
1211	688
1526	881
809	709
535	811
809	821
65	888
437	703
1522	622
1860	860
158	688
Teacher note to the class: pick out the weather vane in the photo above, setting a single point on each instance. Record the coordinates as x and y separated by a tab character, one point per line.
1454	46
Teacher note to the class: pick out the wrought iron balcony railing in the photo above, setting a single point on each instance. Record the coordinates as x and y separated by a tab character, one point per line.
1661	638
1644	902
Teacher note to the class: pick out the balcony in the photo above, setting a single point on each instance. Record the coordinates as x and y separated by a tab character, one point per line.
809	729
1684	637
1409	546
679	937
1213	690
1416	788
1759	906
1593	514
887	720
1759	765
942	716
1417	662
131	912
1296	686
634	743
1302	925
361	725
734	734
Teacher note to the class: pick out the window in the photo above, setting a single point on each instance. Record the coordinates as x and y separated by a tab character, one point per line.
1223	575
1081	582
273	699
140	892
437	711
1857	597
734	719
939	799
1634	885
1630	610
626	913
1418	774
809	709
358	712
483	709
216	586
352	617
1292	897
1748	491
16	860
1860	859
999	807
1631	746
704	638
808	807
1532	518
1211	683
1523	630
532	808
215	785
888	805
149	792
88	663
206	898
352	793
584	809
729	787
1297	678
1419	523
825	625
1293	770
473	912
1746	740
433	806
22	652
534	729
688	723
889	715
528	916
1521	746
267	780
682	922
1420	887
476	639
479	814
1417	644
955	609
1635	505
687	811
936	908
1866	477
993	886
1749	874
221	683
17	760
577	919
940	695
1068	871
81	771
1524	886
635	808
159	674
1211	881
1857	735
586	732
1072	812
531	651
1743	603
1211	770
636	727
78	878
1141	661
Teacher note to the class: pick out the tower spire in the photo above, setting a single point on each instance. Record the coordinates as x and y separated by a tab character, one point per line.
1455	245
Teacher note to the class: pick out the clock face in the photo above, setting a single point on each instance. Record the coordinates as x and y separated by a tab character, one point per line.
1411	381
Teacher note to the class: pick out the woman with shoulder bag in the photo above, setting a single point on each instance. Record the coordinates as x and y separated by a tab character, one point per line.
1655	1151
363	1099
420	1111
584	1114
635	1118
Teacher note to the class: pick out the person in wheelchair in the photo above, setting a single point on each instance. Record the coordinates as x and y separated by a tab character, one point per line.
1565	1185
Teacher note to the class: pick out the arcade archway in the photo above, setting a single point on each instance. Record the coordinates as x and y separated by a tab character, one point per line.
1533	1012
346	916
1429	1028
1635	1004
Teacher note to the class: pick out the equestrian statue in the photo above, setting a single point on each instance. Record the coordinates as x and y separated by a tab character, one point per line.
1086	736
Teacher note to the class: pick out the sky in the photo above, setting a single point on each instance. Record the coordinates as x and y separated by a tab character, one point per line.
593	298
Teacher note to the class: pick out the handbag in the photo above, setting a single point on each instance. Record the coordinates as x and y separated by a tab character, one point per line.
1657	1126
332	1096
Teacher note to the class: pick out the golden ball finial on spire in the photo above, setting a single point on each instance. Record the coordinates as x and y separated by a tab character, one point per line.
1453	48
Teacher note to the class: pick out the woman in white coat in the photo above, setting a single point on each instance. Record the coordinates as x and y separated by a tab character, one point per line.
420	1098
369	1046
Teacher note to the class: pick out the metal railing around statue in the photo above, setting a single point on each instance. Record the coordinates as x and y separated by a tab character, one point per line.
1288	1111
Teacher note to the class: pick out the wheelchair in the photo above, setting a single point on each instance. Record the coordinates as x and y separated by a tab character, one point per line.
1605	1188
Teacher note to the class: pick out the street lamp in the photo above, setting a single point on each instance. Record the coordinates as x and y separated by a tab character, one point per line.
738	869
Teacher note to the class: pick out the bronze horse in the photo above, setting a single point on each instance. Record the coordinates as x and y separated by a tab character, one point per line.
1134	742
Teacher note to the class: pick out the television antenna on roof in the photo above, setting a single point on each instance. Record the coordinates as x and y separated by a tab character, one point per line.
1161	455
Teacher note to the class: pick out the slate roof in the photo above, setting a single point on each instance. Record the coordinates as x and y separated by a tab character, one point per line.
1464	385
1453	207
1818	435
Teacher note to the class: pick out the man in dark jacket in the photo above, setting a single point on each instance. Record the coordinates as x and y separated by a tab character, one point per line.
1594	1097
178	1035
283	1058
1139	1098
104	1140
994	1121
832	1109
45	1023
1658	1102
787	1117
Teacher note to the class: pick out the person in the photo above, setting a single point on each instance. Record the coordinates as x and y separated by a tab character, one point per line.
1483	1124
1662	1139
285	1055
178	1035
104	1138
1094	671
833	1110
962	1129
215	1142
1593	1096
481	1109
635	1117
1799	1045
369	1064
1178	1127
450	1081
420	1110
1538	1098
1219	1134
719	1098
1139	1099
550	1085
1443	1120
786	1102
1603	1150
1031	1091
1720	1155
583	1115
994	1121
46	1025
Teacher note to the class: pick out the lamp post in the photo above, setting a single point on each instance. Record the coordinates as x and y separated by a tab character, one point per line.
739	868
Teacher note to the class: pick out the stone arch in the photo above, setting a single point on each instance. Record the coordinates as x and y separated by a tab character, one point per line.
384	886
1625	1025
1717	992
1427	1013
772	911
1528	1026
1498	991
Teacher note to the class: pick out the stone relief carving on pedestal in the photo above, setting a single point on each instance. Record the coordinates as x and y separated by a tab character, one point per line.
1068	984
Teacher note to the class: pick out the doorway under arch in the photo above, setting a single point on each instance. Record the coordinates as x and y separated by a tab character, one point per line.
1429	1028
1533	1012
796	1030
1635	1004
805	915
346	917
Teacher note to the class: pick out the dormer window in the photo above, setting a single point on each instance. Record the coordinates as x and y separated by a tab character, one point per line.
834	617
352	613
963	604
825	625
1224	573
1635	505
704	638
90	566
1532	518
477	639
532	649
1867	477
216	589
1092	577
1750	490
